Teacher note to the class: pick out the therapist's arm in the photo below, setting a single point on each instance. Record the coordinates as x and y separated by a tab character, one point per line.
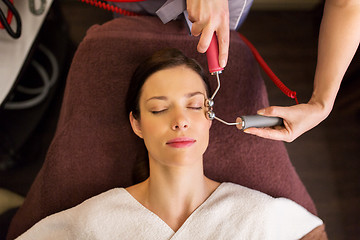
209	16
338	41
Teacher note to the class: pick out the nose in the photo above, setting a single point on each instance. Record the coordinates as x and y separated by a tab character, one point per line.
180	121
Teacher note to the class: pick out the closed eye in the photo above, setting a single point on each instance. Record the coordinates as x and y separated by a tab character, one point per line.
195	108
159	111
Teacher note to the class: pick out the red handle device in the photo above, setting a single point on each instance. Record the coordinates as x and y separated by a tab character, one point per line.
212	55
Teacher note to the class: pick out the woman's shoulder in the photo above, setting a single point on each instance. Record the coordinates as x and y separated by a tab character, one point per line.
109	195
94	206
281	218
288	219
69	223
102	203
239	199
240	195
232	190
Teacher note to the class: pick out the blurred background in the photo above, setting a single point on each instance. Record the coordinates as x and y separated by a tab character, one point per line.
285	33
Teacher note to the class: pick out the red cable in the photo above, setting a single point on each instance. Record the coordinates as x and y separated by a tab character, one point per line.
116	9
9	16
126	0
271	74
273	77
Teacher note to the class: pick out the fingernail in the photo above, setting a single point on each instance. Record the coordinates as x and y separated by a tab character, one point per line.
222	63
201	50
261	112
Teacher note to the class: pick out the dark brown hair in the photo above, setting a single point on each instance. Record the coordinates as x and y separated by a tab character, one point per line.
160	60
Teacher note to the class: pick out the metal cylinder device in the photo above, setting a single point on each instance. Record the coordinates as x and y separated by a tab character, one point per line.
259	121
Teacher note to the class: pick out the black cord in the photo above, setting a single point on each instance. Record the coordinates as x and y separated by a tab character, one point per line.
7	25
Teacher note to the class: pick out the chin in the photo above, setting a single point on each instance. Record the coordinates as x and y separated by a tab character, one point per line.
185	158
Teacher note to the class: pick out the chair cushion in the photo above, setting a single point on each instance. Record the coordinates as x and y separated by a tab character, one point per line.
94	148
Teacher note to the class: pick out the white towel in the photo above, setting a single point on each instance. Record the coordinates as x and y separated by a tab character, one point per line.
231	212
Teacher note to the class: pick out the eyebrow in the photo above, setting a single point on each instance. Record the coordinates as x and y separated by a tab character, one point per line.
188	95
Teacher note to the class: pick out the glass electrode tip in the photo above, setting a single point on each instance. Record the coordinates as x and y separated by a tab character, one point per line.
209	103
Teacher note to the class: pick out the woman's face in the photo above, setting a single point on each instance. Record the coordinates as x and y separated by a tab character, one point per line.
172	120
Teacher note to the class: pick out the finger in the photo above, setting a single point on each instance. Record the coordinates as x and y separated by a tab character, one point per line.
269	133
205	39
193	9
223	36
197	28
191	18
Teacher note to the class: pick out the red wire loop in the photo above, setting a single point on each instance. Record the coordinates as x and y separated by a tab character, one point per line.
269	72
9	16
266	68
112	8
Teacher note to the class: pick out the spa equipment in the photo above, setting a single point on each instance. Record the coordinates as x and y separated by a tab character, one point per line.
257	121
214	68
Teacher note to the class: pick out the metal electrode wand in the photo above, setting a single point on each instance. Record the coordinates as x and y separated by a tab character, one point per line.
212	55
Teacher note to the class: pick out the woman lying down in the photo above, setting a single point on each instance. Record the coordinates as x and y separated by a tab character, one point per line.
165	103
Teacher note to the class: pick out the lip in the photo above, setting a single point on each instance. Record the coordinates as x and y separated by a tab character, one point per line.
181	142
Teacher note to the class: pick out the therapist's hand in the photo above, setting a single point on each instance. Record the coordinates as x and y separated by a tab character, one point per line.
209	16
297	120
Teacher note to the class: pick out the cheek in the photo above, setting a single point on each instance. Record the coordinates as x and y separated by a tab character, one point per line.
203	122
206	126
203	128
148	127
152	128
203	133
150	133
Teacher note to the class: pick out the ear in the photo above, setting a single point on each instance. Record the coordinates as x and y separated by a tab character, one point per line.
135	124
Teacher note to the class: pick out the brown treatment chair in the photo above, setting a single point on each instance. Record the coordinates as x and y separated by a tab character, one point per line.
94	148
